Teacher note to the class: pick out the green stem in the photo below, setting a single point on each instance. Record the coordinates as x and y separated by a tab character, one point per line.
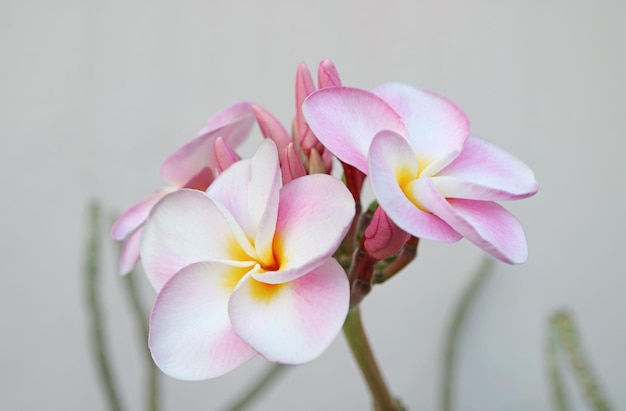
152	384
452	340
92	272
357	340
567	334
360	275
260	385
556	377
407	254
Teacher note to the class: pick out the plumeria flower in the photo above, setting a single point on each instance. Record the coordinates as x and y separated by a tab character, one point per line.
194	165
246	268
430	175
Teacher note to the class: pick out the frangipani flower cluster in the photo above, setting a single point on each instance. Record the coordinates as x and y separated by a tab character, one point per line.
254	256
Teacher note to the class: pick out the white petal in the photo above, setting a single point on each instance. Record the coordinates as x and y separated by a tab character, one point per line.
437	127
484	223
249	190
314	214
485	172
346	120
191	337
393	168
186	227
294	322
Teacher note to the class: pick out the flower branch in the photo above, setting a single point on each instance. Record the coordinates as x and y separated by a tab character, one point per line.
249	256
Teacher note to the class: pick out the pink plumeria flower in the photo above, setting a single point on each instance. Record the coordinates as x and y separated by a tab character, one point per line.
246	268
431	176
194	165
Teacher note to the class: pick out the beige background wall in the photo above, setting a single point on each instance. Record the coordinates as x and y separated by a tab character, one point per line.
94	95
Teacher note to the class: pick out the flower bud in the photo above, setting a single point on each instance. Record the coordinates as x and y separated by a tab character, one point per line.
327	75
224	155
291	166
382	237
271	127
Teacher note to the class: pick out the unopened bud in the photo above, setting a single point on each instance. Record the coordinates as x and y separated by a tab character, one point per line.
382	237
291	166
327	75
271	127
224	155
327	159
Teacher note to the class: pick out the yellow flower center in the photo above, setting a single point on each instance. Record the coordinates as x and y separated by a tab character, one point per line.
264	292
406	178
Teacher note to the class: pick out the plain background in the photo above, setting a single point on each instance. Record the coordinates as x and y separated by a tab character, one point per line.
94	95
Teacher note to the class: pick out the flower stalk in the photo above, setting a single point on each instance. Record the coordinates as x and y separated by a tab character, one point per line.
360	275
359	345
408	254
92	274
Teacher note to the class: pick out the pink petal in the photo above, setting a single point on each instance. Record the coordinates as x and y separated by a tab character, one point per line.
346	120
391	163
235	113
484	171
249	190
327	158
186	227
136	215
295	322
271	127
291	165
130	252
327	75
232	123
224	155
304	87
314	214
484	223
201	181
437	127
191	337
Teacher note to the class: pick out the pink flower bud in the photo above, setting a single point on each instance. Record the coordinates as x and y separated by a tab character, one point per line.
291	166
224	155
382	237
327	75
271	127
304	87
327	158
